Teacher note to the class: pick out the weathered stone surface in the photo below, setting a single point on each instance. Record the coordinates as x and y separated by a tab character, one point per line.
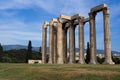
60	44
65	45
51	46
58	37
98	8
65	17
76	16
81	41
55	46
107	41
34	61
92	39
44	41
72	43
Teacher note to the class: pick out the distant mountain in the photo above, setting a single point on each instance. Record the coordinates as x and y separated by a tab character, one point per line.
17	47
100	51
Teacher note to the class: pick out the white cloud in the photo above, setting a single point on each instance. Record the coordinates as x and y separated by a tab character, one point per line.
15	31
14	4
69	7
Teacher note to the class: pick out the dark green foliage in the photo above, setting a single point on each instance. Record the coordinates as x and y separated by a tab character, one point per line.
116	60
88	53
15	56
1	52
29	51
100	60
18	56
40	49
36	55
47	58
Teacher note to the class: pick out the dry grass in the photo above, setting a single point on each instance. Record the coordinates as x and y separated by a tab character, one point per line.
59	72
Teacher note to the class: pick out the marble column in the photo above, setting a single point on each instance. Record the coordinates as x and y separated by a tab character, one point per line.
81	41
55	46
107	41
51	43
72	43
92	39
65	45
44	41
60	44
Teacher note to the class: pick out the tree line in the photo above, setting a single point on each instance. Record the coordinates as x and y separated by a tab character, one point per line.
19	56
23	55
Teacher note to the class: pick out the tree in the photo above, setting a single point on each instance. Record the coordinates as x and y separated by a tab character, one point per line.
40	49
40	52
100	60
37	54
1	51
88	53
29	51
116	60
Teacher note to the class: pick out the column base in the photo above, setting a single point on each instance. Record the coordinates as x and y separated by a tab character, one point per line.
60	61
93	62
65	61
81	62
71	62
55	62
108	62
50	62
43	62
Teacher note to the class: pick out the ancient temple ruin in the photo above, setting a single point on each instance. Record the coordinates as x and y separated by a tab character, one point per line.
58	37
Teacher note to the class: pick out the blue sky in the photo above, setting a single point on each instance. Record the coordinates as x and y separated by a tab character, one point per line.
22	20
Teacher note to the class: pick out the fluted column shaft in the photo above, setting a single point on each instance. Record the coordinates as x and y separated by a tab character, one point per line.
44	41
92	39
55	46
65	45
51	43
60	44
72	43
107	41
81	41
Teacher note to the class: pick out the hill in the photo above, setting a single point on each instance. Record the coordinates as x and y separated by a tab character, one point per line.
17	47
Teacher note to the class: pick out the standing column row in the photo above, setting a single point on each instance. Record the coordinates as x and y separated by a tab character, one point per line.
107	42
58	45
52	44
